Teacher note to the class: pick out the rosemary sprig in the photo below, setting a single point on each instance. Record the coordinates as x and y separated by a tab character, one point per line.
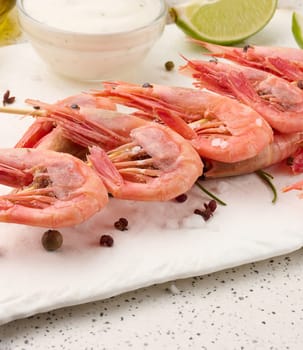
267	178
211	195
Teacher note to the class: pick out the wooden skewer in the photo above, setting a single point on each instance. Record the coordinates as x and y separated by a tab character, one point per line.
23	111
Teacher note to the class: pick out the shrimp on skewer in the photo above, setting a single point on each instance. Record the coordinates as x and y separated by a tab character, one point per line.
218	127
153	163
158	164
277	100
42	127
88	126
284	62
52	189
283	147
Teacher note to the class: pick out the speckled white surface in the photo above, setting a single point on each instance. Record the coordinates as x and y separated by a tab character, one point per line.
256	306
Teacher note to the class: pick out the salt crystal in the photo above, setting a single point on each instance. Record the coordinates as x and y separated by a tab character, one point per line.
217	142
136	149
259	122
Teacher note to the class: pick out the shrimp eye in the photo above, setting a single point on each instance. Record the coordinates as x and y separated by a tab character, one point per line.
246	47
147	85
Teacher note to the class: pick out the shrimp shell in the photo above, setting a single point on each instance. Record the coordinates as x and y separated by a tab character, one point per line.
284	62
52	189
283	146
158	165
277	100
218	127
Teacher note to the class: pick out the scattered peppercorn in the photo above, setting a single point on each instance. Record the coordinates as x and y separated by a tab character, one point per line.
106	241
52	240
208	210
147	85
7	99
121	224
36	107
169	65
181	198
212	205
75	106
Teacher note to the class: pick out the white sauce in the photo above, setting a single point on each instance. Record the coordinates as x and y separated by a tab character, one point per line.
94	16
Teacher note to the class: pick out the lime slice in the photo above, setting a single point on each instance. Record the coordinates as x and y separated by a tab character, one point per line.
297	28
223	21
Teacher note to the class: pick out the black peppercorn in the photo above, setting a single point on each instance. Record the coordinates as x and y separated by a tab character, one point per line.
52	240
169	65
106	241
121	224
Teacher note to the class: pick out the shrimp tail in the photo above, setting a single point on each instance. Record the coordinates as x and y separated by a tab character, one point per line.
176	123
35	133
105	168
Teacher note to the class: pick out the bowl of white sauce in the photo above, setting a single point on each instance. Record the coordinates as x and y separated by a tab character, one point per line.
92	39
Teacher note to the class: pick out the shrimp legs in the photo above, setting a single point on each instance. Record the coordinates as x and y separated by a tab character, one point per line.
52	189
218	127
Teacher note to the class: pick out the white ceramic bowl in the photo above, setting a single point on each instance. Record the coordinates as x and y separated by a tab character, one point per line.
96	56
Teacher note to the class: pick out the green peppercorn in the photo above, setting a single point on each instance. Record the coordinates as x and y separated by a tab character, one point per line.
169	65
52	240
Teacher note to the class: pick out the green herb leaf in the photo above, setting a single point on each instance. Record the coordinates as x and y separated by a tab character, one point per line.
266	177
211	195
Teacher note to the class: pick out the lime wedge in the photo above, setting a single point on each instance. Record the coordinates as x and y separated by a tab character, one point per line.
297	28
223	21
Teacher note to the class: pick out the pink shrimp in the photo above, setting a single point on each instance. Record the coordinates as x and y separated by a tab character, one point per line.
218	127
86	126
140	160
283	146
284	62
277	100
42	127
157	165
52	189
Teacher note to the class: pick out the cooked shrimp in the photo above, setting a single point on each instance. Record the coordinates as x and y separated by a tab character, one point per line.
283	146
218	127
87	126
277	100
284	62
52	189
154	164
157	165
35	134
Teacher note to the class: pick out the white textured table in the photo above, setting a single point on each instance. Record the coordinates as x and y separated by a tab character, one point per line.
255	306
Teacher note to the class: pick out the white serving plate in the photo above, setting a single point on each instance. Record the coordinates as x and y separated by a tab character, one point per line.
165	241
